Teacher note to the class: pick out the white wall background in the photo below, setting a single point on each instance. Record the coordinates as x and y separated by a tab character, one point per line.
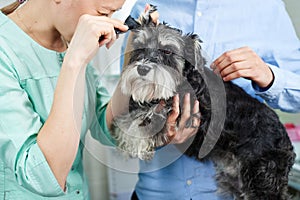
293	7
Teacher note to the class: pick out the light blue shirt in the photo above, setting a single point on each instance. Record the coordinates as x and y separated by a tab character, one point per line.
224	25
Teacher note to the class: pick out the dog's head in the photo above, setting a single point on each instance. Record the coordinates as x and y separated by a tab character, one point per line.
161	57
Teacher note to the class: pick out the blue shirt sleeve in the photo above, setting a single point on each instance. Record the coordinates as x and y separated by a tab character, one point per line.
284	92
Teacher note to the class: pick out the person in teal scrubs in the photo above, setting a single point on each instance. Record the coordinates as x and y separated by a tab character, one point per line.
50	95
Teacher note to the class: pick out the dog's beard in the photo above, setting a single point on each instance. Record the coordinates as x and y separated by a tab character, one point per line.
159	83
138	139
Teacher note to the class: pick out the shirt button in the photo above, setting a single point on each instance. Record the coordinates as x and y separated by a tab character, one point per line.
77	192
189	182
199	14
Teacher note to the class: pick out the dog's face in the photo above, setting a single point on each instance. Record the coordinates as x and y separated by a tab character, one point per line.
157	62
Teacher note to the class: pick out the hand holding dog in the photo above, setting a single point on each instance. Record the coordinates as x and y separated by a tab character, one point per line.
243	62
179	132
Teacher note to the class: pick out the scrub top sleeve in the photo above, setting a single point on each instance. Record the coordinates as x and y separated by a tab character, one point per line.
19	125
99	129
33	172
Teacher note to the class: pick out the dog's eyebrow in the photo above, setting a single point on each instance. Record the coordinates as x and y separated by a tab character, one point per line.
171	47
169	42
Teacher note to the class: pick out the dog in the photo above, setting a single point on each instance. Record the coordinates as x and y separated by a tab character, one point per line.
250	147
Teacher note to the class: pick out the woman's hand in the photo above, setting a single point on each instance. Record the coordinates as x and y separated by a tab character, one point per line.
85	41
243	62
179	132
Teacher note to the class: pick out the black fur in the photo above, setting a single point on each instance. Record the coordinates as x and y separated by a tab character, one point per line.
253	141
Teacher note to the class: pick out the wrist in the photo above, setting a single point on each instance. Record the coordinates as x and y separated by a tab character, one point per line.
266	85
267	79
74	62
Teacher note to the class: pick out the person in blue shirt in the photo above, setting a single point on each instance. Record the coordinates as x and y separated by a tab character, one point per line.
252	43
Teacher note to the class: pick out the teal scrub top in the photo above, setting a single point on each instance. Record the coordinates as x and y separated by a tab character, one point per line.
28	76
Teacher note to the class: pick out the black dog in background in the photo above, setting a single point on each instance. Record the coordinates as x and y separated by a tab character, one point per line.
251	151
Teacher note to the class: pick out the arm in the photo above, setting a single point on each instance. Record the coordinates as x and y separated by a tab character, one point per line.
275	70
19	126
63	125
279	87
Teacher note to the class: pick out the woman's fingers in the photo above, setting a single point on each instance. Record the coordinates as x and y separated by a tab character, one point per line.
108	39
109	36
86	40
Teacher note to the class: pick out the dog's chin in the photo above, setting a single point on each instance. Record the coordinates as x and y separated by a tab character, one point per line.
151	92
149	99
141	131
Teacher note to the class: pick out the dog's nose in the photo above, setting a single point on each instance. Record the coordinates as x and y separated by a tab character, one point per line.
143	70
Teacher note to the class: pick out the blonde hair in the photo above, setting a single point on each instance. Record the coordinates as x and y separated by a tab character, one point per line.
11	7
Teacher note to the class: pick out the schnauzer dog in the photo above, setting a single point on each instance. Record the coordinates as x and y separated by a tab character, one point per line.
252	152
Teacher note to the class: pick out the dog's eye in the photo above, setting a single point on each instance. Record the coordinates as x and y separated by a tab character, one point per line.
166	51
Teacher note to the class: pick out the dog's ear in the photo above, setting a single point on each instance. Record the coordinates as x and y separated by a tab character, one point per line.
192	52
145	18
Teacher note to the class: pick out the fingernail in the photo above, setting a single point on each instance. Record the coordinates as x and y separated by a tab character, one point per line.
212	66
162	103
170	134
216	71
147	7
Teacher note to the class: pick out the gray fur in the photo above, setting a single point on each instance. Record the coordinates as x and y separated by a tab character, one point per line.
246	141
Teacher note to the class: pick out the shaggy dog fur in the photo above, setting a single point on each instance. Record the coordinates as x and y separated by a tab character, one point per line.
252	152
